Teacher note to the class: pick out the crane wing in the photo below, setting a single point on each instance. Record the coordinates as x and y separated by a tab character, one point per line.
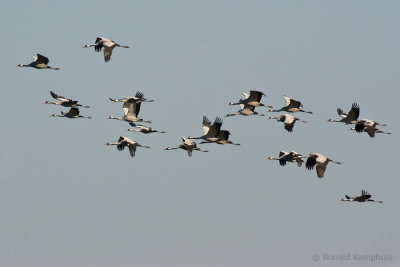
223	135
295	104
107	53
365	194
215	127
189	142
282	153
55	96
255	96
125	110
354	112
139	95
132	149
245	95
131	108
206	125
371	130
321	170
42	59
289	126
287	100
98	44
359	127
73	111
311	161
341	113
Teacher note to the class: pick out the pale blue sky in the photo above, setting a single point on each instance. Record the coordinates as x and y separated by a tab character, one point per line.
68	200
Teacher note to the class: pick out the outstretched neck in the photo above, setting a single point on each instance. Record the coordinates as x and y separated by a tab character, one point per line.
116	100
309	112
111	144
115	118
337	162
297	119
276	110
82	106
170	148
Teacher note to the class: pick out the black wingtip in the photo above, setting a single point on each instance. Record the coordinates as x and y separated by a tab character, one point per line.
139	94
218	120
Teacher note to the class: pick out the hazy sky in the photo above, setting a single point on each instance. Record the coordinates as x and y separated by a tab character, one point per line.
66	199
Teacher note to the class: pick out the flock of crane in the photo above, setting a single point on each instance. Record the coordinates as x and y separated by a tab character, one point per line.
212	132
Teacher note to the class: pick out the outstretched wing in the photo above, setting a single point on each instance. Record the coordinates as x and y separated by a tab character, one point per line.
54	95
131	108
223	135
215	127
365	194
139	95
321	170
136	107
42	59
99	44
294	104
73	111
255	96
289	126
121	143
245	95
189	142
311	161
206	125
62	98
341	113
354	112
107	53
287	100
371	131
360	125
282	153
132	149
